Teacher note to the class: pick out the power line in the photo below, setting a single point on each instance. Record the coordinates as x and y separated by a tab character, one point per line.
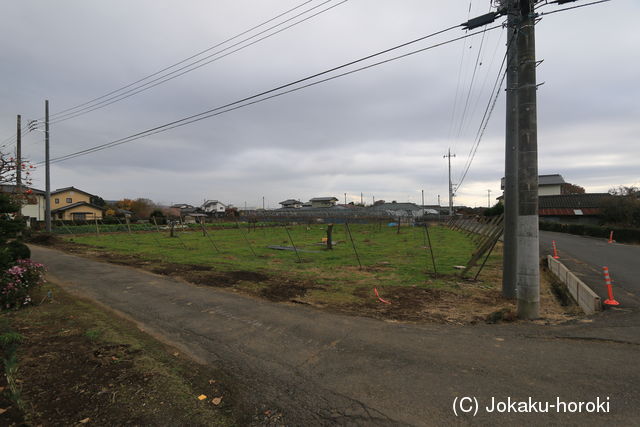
273	93
569	8
486	117
182	61
190	67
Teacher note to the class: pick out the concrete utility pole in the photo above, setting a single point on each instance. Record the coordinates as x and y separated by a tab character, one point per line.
488	198
528	284
449	156
19	154
345	198
422	199
47	199
510	252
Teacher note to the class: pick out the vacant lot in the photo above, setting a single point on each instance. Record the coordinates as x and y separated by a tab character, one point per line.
365	258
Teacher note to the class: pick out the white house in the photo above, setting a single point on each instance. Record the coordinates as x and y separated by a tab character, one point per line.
548	185
33	208
214	207
323	202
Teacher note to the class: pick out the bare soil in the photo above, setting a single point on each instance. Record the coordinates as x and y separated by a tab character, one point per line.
80	365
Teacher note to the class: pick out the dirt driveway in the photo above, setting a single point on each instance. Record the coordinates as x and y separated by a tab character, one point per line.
319	368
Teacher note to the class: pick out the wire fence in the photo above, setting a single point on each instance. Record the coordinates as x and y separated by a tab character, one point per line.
423	249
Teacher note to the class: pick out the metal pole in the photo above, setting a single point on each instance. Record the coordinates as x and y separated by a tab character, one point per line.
47	171
510	200
19	155
449	156
488	198
528	285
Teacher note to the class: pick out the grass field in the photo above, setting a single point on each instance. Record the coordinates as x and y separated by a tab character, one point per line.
387	257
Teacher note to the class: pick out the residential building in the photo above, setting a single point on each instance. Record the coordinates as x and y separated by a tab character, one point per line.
548	185
291	204
323	202
33	208
73	204
214	207
572	208
404	209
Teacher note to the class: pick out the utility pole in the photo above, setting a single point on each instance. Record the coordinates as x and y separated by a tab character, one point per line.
438	200
262	202
528	284
19	155
488	198
47	170
449	156
361	199
510	200
345	198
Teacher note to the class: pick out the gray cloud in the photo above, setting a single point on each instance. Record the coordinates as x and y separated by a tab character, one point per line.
381	132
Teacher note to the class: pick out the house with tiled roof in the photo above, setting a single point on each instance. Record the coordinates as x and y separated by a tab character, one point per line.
570	208
73	204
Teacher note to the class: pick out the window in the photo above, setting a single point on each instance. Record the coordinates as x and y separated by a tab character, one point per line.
79	216
57	201
69	200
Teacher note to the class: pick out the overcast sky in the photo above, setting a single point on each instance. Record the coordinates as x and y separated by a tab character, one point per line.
381	132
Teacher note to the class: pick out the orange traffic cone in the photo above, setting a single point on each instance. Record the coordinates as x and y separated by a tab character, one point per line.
555	250
607	281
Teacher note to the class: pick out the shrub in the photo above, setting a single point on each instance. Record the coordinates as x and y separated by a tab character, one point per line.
620	234
16	283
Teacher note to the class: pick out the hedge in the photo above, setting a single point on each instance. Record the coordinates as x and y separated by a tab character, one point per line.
620	234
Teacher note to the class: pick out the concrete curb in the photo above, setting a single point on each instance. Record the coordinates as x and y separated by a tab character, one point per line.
581	293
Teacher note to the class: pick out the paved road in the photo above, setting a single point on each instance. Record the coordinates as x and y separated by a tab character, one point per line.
325	369
585	256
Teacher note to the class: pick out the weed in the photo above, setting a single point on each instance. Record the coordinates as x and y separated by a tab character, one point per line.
93	334
10	339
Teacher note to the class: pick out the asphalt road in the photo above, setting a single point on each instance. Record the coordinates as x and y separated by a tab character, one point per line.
586	256
319	368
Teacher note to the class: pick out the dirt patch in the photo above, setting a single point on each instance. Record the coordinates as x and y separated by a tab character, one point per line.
284	290
80	365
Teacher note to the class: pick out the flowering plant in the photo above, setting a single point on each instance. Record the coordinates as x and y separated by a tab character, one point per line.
17	281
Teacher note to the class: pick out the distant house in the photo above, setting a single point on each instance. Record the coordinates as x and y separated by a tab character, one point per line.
291	204
73	204
403	209
548	185
214	207
323	202
572	208
33	207
181	206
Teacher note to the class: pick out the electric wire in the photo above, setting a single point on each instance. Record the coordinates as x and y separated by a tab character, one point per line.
191	67
473	77
572	7
455	98
182	61
263	96
497	86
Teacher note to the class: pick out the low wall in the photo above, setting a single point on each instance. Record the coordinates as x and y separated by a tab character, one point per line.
581	293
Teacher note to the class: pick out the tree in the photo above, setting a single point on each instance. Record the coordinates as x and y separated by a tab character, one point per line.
98	201
496	209
567	188
623	208
140	207
11	226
